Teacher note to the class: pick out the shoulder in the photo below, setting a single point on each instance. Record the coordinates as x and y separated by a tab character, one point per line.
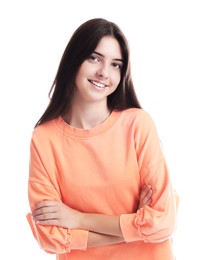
140	123
145	132
139	117
44	131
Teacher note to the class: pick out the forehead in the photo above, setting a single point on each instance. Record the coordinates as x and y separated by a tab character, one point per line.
108	46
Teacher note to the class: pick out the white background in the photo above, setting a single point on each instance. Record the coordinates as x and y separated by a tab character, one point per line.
167	41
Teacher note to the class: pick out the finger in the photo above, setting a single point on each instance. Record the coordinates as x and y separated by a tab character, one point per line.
45	203
44	210
50	222
145	190
45	217
145	198
148	195
148	198
148	202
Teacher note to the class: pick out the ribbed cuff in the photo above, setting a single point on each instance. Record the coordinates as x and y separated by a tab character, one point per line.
131	231
78	239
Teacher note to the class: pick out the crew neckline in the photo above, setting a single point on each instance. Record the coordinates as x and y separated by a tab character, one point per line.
69	130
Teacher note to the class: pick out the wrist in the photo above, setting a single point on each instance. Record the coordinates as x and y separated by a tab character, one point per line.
100	223
82	218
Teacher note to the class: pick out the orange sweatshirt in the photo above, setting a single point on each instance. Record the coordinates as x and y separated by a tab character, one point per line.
102	170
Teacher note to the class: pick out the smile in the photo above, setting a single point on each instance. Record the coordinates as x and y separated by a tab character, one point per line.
97	84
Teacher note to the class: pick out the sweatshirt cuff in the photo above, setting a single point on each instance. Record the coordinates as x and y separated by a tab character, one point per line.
130	229
78	239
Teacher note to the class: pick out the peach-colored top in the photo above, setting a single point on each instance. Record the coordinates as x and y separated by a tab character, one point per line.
101	170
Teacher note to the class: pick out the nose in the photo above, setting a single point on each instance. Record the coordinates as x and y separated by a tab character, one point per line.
103	71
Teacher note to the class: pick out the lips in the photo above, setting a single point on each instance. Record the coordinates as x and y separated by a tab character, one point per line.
98	84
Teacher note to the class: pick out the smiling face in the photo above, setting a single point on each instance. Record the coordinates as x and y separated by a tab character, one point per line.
100	74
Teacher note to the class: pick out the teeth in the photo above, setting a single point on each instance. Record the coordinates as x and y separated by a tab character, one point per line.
100	85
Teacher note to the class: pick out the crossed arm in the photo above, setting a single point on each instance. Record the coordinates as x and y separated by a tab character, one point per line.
103	229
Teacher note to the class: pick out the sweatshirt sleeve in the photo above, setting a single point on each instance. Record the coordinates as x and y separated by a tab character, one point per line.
157	222
41	186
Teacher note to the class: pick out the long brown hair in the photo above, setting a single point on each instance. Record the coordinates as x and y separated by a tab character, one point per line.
81	45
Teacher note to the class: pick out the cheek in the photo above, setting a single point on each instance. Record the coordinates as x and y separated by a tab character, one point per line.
80	75
116	79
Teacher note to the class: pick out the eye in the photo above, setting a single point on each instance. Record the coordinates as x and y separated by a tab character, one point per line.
93	58
117	65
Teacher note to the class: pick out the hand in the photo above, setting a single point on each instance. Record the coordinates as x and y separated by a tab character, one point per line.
145	196
56	213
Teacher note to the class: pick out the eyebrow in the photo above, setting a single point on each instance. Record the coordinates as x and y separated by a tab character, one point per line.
100	54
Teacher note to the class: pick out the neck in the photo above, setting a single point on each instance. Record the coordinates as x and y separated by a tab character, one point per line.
87	116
